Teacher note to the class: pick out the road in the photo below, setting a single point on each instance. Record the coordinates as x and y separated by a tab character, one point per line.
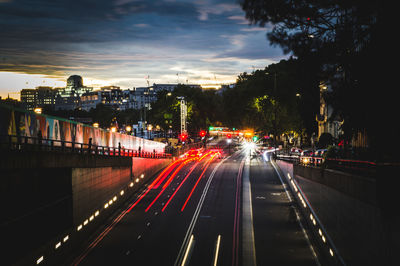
206	211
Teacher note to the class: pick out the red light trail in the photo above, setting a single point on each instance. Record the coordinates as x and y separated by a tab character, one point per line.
180	185
197	182
168	182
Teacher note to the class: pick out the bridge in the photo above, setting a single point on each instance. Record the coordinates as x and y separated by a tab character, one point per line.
95	198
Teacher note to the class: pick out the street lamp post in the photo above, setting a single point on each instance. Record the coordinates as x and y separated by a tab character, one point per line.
149	128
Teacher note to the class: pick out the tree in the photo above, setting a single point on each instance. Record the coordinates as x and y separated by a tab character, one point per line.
255	98
203	108
345	39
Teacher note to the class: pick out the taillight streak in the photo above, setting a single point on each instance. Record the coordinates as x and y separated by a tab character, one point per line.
180	185
168	182
176	172
161	177
197	182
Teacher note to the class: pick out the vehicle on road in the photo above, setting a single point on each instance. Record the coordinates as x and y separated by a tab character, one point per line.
306	157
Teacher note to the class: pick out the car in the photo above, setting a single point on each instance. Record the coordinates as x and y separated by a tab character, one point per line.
320	152
306	157
193	153
318	156
306	153
295	151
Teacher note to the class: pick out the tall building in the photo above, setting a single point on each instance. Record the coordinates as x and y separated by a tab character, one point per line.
142	97
90	100
40	97
68	98
28	98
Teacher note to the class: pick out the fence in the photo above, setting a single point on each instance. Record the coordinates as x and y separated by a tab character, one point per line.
25	143
358	167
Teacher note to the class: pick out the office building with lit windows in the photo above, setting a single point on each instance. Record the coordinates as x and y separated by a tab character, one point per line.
40	97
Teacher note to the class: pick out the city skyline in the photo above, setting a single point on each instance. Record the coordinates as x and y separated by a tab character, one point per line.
127	43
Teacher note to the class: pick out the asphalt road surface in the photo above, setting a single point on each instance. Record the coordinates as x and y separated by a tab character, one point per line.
206	210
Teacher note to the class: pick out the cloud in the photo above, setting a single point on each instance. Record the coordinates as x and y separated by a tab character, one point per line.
251	46
240	19
123	40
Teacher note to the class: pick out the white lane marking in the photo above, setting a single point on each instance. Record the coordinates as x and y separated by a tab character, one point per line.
188	249
298	218
217	250
248	247
197	212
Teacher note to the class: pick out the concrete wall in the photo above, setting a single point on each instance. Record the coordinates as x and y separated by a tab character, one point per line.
93	187
46	196
347	207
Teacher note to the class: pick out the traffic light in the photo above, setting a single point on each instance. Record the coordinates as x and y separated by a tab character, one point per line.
255	138
229	135
202	133
183	137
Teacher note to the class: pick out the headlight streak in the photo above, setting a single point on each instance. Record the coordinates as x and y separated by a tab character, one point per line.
217	250
189	247
39	260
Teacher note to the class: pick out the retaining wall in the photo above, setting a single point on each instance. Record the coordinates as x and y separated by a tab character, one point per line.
349	209
47	198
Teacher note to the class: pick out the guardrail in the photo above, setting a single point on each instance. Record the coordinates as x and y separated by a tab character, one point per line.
359	167
25	143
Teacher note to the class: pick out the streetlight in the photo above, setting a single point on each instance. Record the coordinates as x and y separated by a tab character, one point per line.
96	125
149	128
128	129
38	110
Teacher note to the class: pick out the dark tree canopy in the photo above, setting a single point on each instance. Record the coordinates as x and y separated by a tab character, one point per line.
281	97
349	42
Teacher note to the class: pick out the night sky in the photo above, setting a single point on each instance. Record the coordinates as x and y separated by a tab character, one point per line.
123	42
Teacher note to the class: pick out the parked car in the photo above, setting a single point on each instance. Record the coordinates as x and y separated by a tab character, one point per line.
318	156
306	157
320	153
306	153
295	151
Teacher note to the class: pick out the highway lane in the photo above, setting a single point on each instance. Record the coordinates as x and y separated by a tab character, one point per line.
279	236
201	218
154	237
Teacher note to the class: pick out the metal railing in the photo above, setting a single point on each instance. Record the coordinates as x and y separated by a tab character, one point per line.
25	143
359	167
